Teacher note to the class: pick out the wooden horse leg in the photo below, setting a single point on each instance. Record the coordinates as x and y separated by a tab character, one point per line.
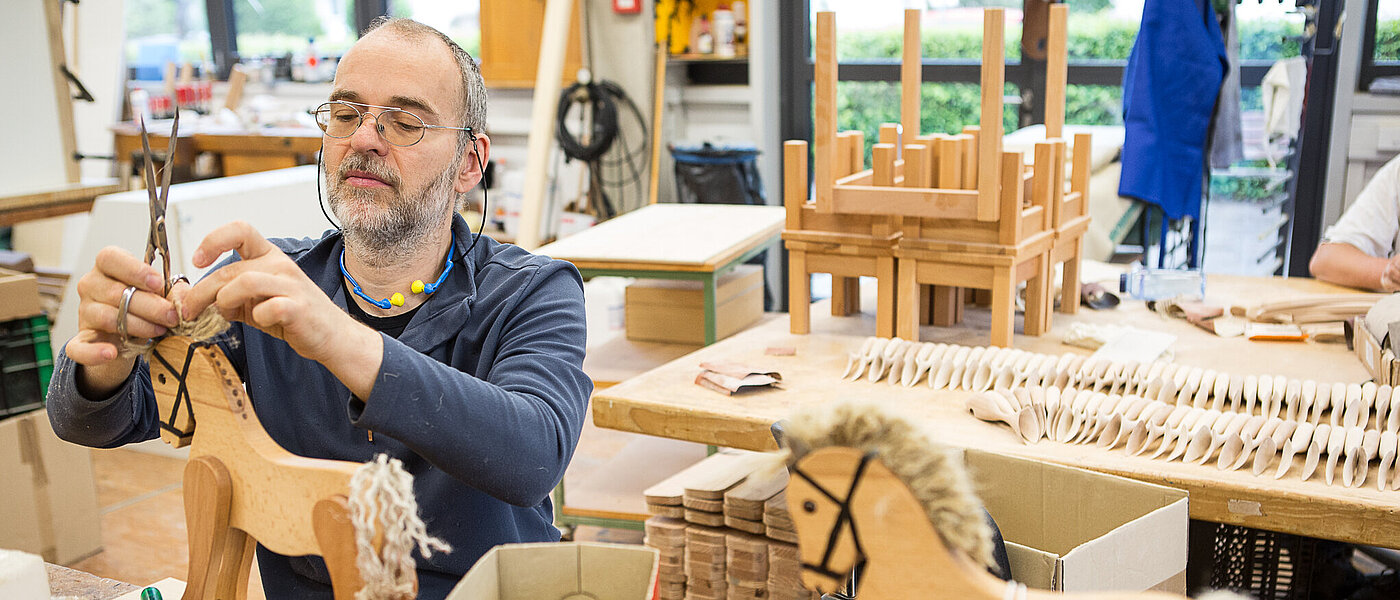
925	304
208	501
238	556
336	536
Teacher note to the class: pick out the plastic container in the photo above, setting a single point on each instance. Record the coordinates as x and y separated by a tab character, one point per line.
26	364
722	25
1160	284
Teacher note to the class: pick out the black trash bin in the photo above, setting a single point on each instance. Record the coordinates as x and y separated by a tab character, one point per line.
711	174
725	174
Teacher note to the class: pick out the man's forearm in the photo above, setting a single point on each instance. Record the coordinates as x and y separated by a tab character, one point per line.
1344	264
101	380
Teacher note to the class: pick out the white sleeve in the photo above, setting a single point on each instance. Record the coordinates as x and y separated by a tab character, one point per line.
1372	223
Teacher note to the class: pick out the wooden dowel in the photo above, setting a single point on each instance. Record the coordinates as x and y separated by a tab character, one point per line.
950	166
993	86
824	100
1056	71
794	181
910	75
915	163
882	161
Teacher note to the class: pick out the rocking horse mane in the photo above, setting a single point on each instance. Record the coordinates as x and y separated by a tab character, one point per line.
933	472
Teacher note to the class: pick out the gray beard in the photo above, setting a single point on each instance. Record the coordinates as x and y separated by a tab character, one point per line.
403	223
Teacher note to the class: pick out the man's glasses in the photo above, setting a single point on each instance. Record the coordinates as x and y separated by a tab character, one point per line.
340	119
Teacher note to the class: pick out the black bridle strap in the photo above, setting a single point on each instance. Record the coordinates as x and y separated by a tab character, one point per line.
182	393
842	518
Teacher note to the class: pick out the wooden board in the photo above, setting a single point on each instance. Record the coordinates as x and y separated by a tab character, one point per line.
672	237
510	53
716	472
746	500
665	402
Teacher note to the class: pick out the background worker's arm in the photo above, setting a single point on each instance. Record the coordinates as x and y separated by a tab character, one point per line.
1344	264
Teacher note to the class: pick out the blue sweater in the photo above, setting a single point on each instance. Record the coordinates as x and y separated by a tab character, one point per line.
482	397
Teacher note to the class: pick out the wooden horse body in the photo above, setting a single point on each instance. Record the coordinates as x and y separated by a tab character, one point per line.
850	509
240	485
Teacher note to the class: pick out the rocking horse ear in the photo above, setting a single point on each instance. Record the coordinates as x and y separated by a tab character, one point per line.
796	447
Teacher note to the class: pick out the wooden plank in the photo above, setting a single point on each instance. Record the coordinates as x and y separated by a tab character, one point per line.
711	476
673	237
993	86
824	110
1056	70
746	500
910	75
932	203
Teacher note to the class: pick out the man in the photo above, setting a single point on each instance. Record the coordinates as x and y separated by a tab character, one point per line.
1360	250
347	348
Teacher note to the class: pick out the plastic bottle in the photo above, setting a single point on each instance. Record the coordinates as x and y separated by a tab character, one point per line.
704	41
722	24
741	28
1160	284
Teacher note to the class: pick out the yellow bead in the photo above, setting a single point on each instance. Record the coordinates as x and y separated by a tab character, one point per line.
396	299
417	286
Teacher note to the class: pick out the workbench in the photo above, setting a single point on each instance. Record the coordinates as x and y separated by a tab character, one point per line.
694	242
17	206
666	402
239	151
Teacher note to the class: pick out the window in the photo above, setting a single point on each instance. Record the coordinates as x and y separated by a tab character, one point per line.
164	31
277	28
460	20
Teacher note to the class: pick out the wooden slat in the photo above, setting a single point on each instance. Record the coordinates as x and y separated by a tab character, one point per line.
993	86
910	76
914	164
969	137
1082	169
716	472
917	202
1010	224
843	155
824	101
950	164
889	134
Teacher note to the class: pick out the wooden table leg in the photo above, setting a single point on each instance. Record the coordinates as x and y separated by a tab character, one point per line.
885	305
1003	307
710	283
799	293
908	302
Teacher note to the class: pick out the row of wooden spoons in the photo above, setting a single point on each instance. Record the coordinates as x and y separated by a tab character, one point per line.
977	368
1195	434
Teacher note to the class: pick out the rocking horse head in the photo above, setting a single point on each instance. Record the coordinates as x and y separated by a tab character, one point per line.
866	483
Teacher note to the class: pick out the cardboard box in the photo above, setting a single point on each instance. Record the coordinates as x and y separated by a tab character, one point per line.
1073	530
672	311
1379	362
49	498
561	571
19	295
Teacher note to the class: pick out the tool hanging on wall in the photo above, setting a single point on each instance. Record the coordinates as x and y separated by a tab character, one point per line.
602	142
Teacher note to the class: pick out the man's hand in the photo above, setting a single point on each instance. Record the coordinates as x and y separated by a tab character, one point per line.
270	292
1390	277
97	344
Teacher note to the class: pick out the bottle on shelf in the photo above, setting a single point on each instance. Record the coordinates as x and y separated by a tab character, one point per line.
723	31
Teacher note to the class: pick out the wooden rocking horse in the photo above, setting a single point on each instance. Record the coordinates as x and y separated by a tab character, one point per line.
240	486
851	509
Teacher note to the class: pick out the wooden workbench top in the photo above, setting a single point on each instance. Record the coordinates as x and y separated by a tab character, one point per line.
671	237
666	402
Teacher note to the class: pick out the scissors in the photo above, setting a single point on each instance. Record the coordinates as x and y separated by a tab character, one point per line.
156	242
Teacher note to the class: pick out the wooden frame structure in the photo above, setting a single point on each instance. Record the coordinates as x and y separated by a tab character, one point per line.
240	486
954	211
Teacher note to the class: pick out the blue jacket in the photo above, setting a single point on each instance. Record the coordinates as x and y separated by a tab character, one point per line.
482	397
1169	92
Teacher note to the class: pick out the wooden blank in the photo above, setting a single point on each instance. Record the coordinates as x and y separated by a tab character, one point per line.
824	101
910	75
1056	71
993	86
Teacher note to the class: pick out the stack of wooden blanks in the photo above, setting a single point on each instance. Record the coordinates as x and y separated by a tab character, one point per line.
667	536
785	573
777	521
705	575
744	504
706	481
746	564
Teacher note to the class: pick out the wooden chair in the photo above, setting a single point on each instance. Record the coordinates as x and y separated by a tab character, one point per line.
1069	211
239	485
978	231
848	244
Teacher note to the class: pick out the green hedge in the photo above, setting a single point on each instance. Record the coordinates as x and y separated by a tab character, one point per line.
947	107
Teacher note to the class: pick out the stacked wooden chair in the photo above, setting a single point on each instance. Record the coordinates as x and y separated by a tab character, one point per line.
954	211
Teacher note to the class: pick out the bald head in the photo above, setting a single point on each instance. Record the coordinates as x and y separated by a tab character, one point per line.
472	98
